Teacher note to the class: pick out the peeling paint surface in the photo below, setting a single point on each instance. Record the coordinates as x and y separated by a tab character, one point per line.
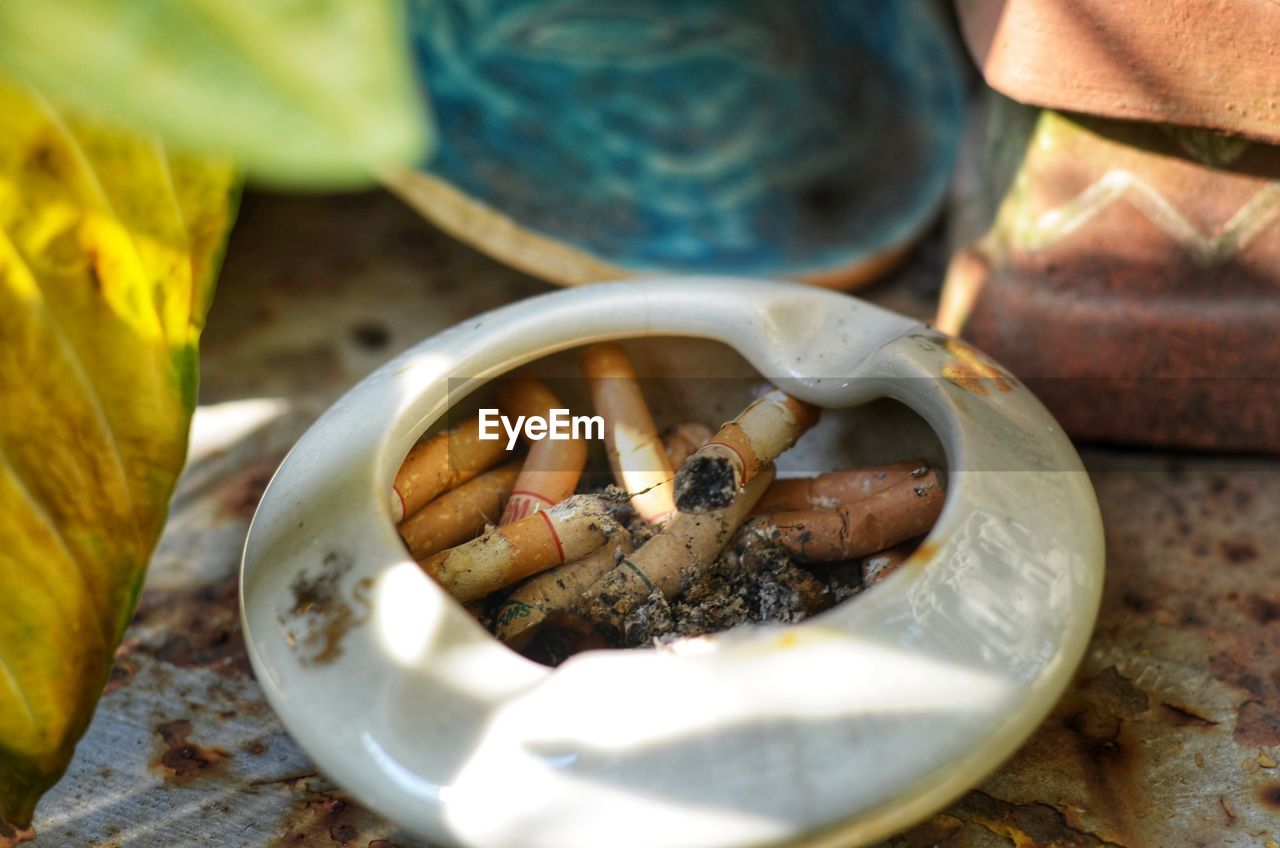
1169	737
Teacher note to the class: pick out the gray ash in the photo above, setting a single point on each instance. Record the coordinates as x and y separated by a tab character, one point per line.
705	483
751	583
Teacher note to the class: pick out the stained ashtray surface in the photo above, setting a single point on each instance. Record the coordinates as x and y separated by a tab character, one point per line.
840	730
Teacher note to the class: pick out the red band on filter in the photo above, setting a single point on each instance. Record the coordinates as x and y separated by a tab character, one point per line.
551	528
522	493
523	504
742	460
400	498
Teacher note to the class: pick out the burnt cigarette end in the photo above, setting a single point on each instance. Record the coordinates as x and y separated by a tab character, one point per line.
705	483
608	602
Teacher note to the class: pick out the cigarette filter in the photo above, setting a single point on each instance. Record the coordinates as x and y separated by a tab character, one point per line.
556	590
635	452
459	514
711	477
880	565
830	490
898	513
567	531
553	466
440	463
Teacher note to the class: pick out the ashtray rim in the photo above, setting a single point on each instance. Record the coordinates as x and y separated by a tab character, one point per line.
1041	568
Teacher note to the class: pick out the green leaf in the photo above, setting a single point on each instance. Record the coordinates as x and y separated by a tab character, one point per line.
108	247
300	92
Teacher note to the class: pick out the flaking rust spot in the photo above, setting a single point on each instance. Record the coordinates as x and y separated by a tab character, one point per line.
199	629
1269	795
1026	825
972	372
924	554
183	759
321	615
326	816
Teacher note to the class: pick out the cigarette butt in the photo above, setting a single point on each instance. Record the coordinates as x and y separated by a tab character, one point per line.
553	466
881	564
687	544
880	521
567	531
556	590
683	439
459	514
440	463
711	477
830	490
636	454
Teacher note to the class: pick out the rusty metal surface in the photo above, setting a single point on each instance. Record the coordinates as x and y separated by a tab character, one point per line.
1170	735
1169	738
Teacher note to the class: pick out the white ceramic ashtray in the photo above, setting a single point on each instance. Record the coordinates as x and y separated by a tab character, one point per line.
836	731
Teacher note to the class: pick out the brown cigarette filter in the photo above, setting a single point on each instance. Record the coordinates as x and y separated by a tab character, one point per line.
567	531
636	454
556	590
886	518
712	476
459	514
880	565
687	544
553	466
830	490
440	463
683	439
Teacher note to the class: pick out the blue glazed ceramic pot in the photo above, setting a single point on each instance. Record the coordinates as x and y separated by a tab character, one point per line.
589	140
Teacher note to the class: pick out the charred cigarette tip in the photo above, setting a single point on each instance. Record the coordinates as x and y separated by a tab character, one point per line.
686	546
705	483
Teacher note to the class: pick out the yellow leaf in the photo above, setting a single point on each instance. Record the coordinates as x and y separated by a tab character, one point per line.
108	247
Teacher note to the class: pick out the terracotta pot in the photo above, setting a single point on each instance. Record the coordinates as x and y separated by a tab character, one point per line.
1197	63
1129	273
